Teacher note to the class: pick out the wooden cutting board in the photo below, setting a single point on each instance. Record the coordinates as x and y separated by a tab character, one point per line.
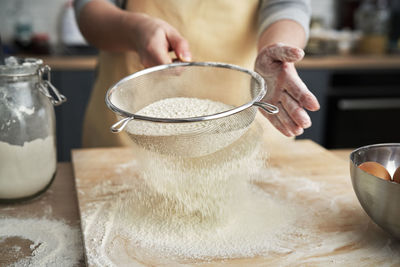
317	181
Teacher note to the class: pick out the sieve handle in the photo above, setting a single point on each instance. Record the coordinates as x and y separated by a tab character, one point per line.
120	125
269	108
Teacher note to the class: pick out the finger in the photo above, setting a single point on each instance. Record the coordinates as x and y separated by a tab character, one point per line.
179	45
296	88
285	53
158	57
277	124
295	111
156	51
287	121
155	60
265	65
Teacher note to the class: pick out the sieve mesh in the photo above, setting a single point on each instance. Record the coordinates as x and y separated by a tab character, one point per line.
238	89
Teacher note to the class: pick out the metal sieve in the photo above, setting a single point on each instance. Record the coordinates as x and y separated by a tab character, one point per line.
240	89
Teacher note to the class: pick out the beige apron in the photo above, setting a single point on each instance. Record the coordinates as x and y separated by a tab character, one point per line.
217	30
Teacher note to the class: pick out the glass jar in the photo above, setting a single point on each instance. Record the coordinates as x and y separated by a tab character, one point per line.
27	129
372	19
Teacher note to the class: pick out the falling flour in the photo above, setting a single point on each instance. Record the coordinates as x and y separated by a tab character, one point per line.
27	169
190	207
52	243
185	139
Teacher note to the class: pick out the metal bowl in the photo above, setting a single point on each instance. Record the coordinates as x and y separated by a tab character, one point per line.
379	198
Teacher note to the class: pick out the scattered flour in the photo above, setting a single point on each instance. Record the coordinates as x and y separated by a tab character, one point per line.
27	169
54	243
279	224
186	139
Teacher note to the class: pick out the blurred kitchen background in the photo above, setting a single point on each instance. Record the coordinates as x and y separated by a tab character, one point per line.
352	64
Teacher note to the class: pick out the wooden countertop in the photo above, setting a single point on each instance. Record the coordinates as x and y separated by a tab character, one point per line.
322	62
59	202
331	226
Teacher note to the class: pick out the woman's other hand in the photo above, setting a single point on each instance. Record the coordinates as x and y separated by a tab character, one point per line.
285	89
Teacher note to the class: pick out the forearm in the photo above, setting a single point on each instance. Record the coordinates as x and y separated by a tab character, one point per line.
104	25
284	31
110	28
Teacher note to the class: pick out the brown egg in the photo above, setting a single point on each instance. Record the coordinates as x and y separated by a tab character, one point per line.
375	169
396	176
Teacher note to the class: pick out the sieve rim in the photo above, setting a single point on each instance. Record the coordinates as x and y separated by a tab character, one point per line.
214	116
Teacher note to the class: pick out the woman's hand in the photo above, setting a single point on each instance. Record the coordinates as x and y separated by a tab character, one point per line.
112	29
285	89
154	38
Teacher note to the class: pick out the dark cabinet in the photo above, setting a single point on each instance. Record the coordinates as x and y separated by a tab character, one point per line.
317	82
363	108
358	106
76	85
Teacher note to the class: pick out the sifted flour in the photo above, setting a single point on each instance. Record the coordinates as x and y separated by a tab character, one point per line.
185	139
27	169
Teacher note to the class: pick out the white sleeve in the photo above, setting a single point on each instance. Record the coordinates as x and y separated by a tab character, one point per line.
273	10
79	4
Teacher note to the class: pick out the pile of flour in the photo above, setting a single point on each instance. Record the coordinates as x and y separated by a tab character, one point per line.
27	169
53	243
185	139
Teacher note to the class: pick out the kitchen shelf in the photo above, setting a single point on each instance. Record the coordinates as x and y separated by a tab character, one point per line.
70	62
309	62
350	62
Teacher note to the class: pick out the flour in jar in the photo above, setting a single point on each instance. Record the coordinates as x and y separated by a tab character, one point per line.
27	169
192	139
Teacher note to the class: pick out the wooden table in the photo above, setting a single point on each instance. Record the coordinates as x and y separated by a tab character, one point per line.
59	202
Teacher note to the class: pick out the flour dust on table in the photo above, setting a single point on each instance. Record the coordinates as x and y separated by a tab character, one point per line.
117	234
49	242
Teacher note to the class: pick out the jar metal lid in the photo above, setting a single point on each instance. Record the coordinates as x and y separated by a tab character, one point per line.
20	67
17	68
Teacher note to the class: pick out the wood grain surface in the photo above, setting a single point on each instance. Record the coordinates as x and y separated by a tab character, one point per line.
336	230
